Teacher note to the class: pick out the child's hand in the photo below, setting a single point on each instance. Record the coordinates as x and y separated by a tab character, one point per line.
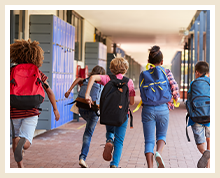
67	94
88	99
57	114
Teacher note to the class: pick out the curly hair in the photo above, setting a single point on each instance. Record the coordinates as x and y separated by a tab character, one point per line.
155	55
22	51
119	65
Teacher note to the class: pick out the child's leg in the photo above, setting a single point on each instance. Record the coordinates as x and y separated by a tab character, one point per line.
208	148
24	128
149	157
160	146
149	123
110	135
162	121
207	134
199	135
118	143
92	120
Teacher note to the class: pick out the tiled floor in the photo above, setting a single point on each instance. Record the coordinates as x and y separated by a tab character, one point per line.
60	148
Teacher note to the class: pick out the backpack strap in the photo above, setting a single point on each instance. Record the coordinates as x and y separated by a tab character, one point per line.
203	75
187	118
131	118
112	77
125	79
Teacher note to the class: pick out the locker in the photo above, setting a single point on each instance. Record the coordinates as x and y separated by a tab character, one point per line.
95	54
55	37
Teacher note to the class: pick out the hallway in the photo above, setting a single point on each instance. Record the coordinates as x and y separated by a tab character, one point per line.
60	147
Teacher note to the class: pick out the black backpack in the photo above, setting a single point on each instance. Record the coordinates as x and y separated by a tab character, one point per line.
114	102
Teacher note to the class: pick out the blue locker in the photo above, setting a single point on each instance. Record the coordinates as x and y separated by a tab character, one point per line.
58	31
62	67
55	37
71	38
66	35
70	79
54	78
62	86
54	29
70	61
63	40
54	64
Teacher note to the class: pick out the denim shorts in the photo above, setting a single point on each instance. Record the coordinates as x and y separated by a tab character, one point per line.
200	132
25	127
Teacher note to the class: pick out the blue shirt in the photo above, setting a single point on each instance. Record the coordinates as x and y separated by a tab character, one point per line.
190	122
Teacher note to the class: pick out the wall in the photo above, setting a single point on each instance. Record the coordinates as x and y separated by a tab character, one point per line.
109	43
27	15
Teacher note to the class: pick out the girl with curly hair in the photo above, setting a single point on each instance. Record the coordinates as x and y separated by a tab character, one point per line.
25	120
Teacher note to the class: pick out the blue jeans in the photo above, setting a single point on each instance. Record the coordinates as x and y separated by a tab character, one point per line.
91	118
154	117
117	135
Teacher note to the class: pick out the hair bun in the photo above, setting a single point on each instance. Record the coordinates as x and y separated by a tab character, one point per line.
154	51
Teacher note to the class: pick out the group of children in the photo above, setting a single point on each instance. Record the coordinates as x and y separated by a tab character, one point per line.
154	116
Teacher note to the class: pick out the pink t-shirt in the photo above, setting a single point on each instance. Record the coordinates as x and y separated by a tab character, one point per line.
105	79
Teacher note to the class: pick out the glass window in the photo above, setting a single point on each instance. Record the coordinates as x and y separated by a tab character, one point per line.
76	21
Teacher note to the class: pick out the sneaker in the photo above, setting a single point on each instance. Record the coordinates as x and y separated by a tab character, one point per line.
113	166
202	163
107	153
159	160
83	164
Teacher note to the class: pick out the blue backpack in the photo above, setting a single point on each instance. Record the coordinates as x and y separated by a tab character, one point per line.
154	86
198	100
95	94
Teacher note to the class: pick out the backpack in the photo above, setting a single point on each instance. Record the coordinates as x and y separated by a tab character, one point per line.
95	94
154	86
114	102
198	100
26	87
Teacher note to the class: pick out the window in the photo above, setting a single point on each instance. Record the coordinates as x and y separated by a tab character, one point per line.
76	21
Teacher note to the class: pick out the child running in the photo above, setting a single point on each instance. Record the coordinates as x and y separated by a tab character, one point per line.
88	115
201	132
155	113
25	120
114	135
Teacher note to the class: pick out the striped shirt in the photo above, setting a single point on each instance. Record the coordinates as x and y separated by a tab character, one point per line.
174	89
17	113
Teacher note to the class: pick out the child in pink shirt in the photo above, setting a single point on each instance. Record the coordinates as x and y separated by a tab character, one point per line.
114	135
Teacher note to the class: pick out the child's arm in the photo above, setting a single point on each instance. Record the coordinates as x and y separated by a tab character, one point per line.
72	86
92	79
51	97
131	100
173	85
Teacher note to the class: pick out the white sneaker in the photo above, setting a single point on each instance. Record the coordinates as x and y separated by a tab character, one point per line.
83	164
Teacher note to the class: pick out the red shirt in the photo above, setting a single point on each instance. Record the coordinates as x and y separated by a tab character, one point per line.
17	113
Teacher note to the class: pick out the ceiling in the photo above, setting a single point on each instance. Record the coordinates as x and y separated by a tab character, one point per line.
135	31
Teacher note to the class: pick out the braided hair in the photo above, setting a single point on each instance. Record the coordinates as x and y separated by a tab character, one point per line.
155	55
22	51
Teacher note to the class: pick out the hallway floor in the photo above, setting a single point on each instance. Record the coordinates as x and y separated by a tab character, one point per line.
60	148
